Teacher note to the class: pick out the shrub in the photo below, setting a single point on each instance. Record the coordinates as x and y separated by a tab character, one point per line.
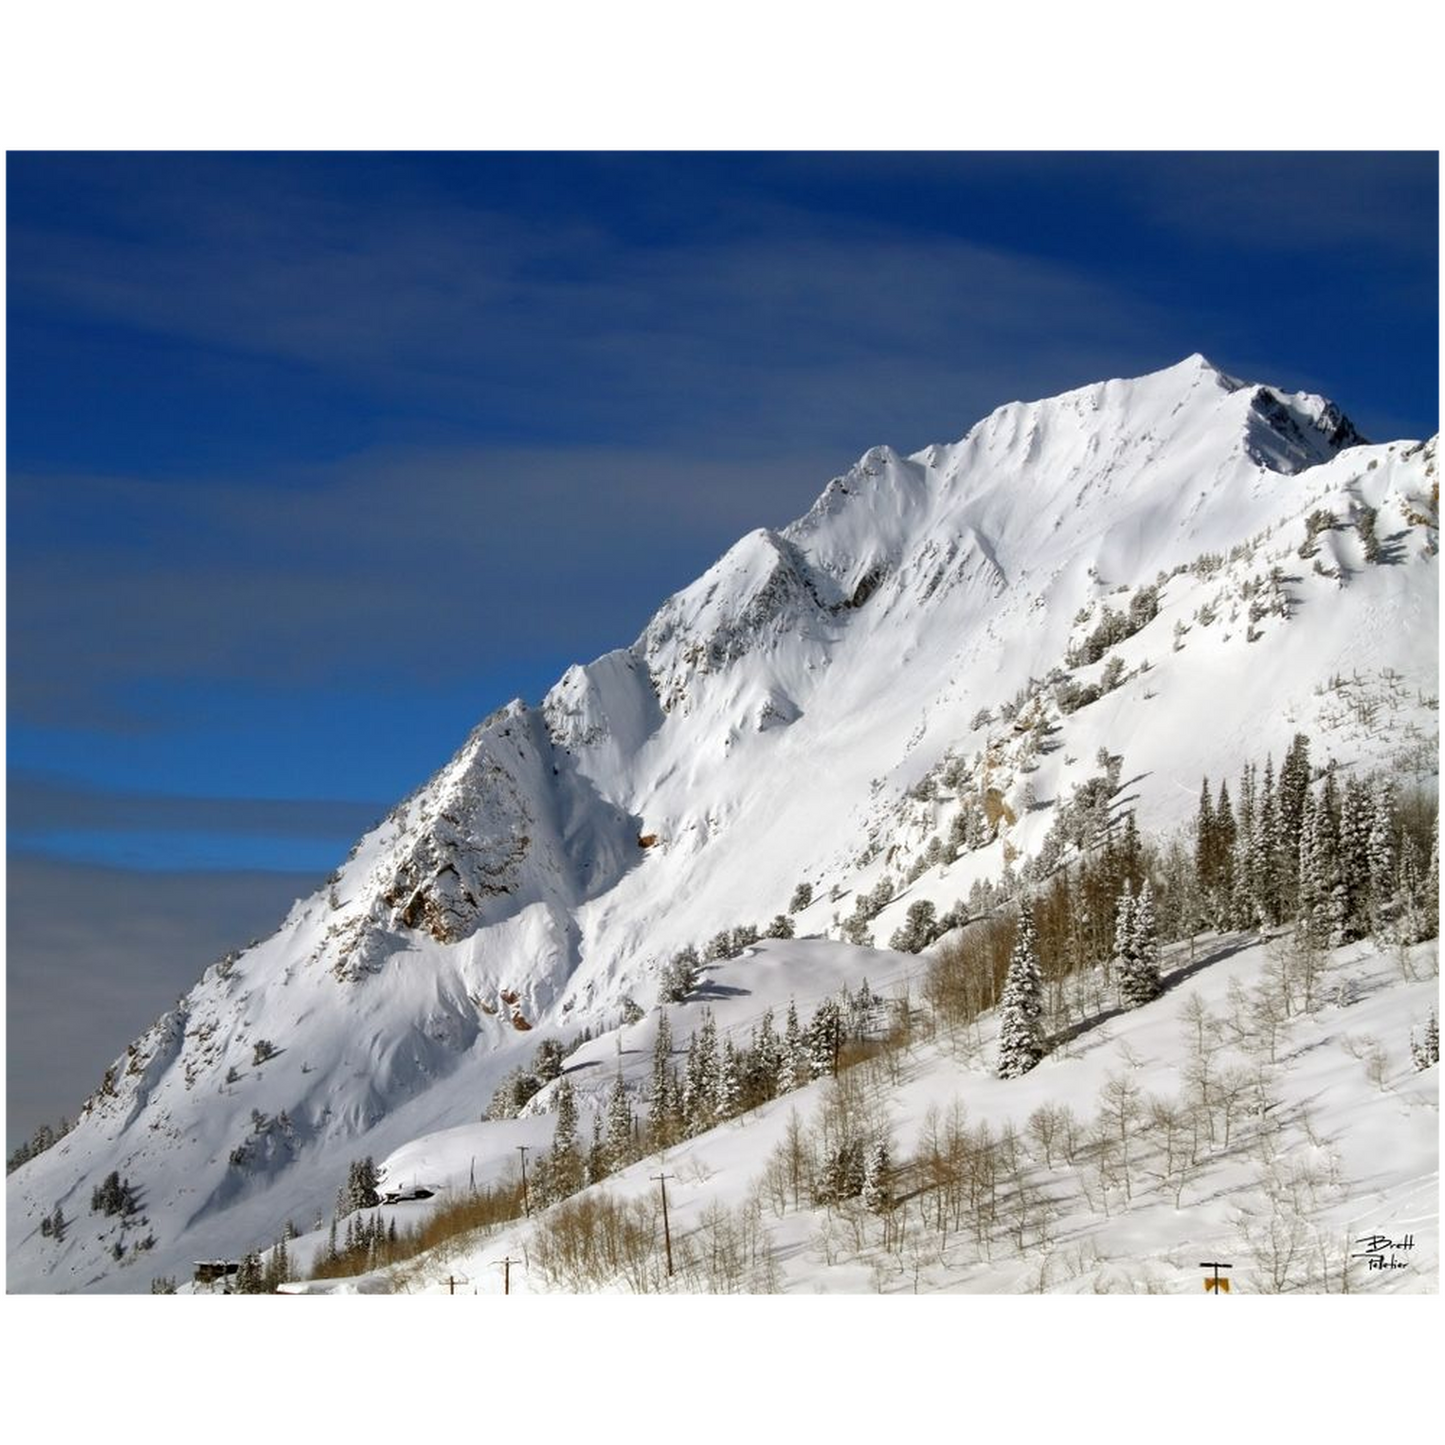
965	977
594	1239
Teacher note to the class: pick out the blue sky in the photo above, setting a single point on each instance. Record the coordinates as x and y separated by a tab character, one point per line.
313	460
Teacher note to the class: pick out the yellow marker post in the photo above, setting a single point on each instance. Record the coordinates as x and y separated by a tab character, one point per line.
1214	1284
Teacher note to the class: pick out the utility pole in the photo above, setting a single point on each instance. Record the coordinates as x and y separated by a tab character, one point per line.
507	1264
666	1231
526	1206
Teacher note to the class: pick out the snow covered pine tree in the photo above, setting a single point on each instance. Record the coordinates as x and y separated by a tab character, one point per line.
1021	1034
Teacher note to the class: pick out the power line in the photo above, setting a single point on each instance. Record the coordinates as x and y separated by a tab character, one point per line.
666	1230
526	1203
507	1264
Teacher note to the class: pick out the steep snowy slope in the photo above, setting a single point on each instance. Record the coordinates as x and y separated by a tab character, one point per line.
1332	1140
779	720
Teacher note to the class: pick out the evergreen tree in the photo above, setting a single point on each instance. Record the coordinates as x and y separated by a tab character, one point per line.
1309	891
708	1056
743	936
728	1088
565	1134
1330	794
249	1278
1205	842
780	927
1139	983
802	897
1336	900
1354	859
693	1092
793	1070
619	1127
1124	934
563	1174
825	1038
1426	1051
766	1059
842	1174
1264	853
664	1102
1242	909
547	1061
1021	1035
876	1182
1320	896
1383	853
1365	520
597	1165
860	1015
113	1195
1431	897
278	1267
661	1066
359	1191
919	929
680	976
1411	924
1226	834
1294	784
1180	887
699	1086
1131	850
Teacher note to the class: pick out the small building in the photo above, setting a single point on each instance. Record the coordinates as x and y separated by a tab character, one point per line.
208	1271
406	1193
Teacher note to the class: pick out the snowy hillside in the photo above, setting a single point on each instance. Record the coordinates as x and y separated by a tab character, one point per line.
1324	1136
898	694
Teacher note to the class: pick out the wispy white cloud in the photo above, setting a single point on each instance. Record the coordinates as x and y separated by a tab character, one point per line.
37	805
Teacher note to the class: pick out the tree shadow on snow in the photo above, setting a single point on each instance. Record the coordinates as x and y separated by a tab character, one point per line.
709	989
1229	947
1226	948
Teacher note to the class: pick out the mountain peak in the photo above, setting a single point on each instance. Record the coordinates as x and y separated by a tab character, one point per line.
792	714
1196	362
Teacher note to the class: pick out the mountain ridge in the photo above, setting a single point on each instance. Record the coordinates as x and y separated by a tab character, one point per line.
513	892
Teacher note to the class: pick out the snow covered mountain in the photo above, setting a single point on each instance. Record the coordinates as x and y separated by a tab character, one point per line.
1250	566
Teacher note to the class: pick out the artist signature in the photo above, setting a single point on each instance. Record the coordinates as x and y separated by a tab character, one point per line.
1380	1251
